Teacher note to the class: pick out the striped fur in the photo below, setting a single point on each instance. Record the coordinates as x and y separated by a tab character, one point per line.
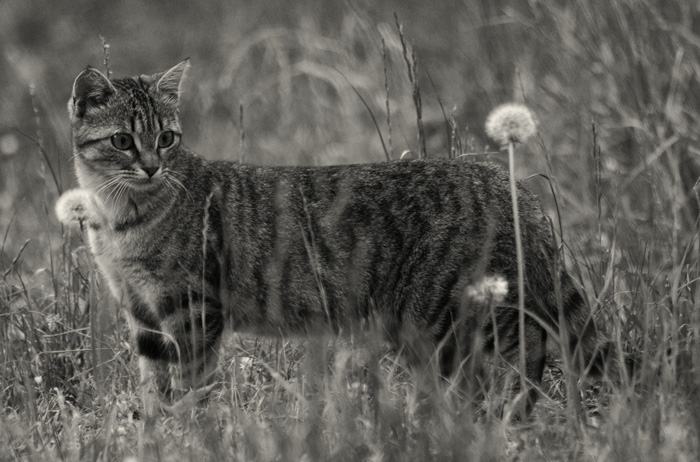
303	250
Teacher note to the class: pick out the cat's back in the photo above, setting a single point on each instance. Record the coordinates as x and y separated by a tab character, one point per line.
425	212
432	187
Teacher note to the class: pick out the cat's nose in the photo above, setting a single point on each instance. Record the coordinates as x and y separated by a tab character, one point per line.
150	171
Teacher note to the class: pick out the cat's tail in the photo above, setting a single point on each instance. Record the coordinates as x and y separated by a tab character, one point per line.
589	352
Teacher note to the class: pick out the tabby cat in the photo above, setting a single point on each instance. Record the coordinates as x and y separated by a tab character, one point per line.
189	246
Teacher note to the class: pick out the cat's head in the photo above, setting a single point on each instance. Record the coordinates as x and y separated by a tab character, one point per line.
126	132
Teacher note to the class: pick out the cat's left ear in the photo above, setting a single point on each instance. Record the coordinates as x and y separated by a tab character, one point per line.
170	83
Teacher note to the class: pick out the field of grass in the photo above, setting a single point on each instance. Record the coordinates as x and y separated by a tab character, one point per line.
615	87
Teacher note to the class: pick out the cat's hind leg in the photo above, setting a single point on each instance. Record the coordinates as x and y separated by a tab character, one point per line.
507	351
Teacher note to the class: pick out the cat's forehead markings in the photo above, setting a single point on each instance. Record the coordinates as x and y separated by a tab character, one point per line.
137	124
134	88
142	103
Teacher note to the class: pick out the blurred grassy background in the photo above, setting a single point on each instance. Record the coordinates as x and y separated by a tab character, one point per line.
615	86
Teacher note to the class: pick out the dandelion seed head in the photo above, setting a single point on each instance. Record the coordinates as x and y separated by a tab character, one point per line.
489	288
510	123
75	207
52	321
9	144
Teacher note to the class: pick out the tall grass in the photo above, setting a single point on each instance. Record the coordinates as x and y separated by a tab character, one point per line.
626	191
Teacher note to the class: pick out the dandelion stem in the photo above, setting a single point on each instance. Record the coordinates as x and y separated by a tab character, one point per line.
242	131
521	276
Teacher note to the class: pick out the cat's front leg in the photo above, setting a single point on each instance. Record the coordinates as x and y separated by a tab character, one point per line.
155	347
193	324
154	384
175	370
177	337
161	391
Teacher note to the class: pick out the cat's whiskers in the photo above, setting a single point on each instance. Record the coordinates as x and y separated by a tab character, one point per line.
171	176
116	192
121	189
109	183
168	184
111	196
174	174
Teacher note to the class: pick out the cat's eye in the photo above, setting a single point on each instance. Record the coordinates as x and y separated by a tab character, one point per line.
122	141
165	139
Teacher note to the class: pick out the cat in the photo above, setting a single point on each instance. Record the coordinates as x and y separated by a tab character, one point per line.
189	246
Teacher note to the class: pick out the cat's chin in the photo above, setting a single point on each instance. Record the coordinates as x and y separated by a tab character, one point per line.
144	186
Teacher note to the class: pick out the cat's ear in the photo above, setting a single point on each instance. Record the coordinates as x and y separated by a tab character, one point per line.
90	89
170	83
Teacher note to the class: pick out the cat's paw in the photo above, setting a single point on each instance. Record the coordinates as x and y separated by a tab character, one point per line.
191	400
77	208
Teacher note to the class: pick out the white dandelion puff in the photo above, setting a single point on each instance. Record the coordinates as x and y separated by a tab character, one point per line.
489	288
510	123
76	207
9	144
52	321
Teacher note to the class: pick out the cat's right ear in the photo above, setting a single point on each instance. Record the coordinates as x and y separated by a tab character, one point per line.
90	89
170	82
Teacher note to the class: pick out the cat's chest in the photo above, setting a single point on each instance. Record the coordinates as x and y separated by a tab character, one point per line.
129	255
115	246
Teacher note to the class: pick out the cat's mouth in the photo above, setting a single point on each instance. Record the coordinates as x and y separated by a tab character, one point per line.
144	184
146	178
